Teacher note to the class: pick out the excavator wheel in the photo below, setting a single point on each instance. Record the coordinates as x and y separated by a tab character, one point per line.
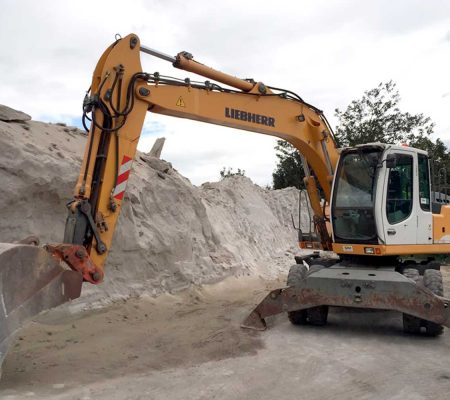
297	273
317	316
432	280
412	324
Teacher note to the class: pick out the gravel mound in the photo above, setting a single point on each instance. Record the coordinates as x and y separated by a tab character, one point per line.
171	234
9	114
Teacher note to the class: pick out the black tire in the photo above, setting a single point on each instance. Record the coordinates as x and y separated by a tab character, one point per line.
317	316
297	317
412	324
432	280
297	274
412	274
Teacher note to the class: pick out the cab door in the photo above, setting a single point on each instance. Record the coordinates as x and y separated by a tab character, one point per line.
399	217
424	232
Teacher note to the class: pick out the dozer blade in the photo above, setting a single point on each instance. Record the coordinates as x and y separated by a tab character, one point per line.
356	288
31	281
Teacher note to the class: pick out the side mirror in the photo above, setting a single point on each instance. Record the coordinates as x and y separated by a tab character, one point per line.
391	161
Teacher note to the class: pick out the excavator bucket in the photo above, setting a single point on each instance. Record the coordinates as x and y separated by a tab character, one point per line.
31	281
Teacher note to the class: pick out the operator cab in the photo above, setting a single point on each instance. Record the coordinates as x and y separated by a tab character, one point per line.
381	195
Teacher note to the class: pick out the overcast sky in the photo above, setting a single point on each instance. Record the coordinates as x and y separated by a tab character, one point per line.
329	52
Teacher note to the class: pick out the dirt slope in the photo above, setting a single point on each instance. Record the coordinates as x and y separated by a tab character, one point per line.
190	346
171	234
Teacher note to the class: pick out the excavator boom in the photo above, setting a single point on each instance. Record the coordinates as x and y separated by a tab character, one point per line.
119	98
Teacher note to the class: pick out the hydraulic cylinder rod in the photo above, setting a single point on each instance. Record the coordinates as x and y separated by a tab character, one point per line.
185	61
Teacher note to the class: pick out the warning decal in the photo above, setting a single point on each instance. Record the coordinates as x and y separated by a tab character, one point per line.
122	178
180	102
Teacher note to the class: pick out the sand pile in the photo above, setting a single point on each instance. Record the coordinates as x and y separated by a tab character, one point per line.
171	234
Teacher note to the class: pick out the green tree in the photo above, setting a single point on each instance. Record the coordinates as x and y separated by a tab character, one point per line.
289	170
440	159
376	117
226	173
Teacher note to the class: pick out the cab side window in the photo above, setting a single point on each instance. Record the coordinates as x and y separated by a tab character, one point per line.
400	190
424	183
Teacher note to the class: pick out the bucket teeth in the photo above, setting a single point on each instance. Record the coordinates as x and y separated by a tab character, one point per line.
254	321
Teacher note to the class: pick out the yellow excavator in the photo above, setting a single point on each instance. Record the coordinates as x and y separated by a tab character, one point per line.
378	213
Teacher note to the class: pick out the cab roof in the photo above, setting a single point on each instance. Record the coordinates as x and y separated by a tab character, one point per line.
385	146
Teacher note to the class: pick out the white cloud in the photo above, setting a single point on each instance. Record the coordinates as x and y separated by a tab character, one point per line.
327	51
201	150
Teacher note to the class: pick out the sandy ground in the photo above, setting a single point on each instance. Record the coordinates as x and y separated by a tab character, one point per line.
190	346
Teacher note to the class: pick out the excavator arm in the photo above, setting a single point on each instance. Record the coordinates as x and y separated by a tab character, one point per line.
118	100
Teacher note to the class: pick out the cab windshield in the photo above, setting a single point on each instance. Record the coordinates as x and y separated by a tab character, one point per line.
354	197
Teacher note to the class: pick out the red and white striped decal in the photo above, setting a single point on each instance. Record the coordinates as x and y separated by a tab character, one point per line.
122	178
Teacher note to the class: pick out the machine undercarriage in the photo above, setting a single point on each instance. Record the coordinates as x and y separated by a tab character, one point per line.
315	284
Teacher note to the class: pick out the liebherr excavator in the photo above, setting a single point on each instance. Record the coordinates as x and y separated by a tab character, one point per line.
377	213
